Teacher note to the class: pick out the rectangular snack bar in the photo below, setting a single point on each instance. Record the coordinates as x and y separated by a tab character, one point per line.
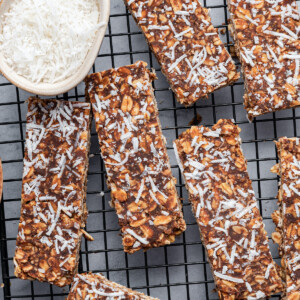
134	151
226	211
90	286
187	46
287	218
266	36
53	210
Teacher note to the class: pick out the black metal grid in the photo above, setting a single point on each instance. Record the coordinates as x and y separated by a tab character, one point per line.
178	271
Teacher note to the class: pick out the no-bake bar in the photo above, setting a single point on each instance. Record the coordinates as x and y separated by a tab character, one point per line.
226	211
187	46
90	286
134	151
287	218
53	211
266	36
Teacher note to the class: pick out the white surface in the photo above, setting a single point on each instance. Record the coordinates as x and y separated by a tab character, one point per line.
186	273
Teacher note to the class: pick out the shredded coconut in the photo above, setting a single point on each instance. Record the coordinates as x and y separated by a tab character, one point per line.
48	40
229	278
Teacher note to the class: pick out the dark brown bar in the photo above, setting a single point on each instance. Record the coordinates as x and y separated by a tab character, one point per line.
90	286
187	46
287	217
134	150
266	35
53	211
226	211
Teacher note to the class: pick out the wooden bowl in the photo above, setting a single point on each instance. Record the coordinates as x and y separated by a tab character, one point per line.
49	89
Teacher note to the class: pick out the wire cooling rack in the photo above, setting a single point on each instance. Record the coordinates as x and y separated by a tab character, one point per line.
178	271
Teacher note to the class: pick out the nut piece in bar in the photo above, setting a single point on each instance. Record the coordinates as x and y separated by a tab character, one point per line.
187	46
134	151
53	202
287	218
90	286
223	202
266	36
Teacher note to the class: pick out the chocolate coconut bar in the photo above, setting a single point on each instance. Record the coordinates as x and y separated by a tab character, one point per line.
53	211
223	202
287	218
95	286
134	151
187	46
266	36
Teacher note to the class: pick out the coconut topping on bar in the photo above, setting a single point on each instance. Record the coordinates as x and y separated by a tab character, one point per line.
188	47
266	35
89	286
134	151
53	196
225	207
287	218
